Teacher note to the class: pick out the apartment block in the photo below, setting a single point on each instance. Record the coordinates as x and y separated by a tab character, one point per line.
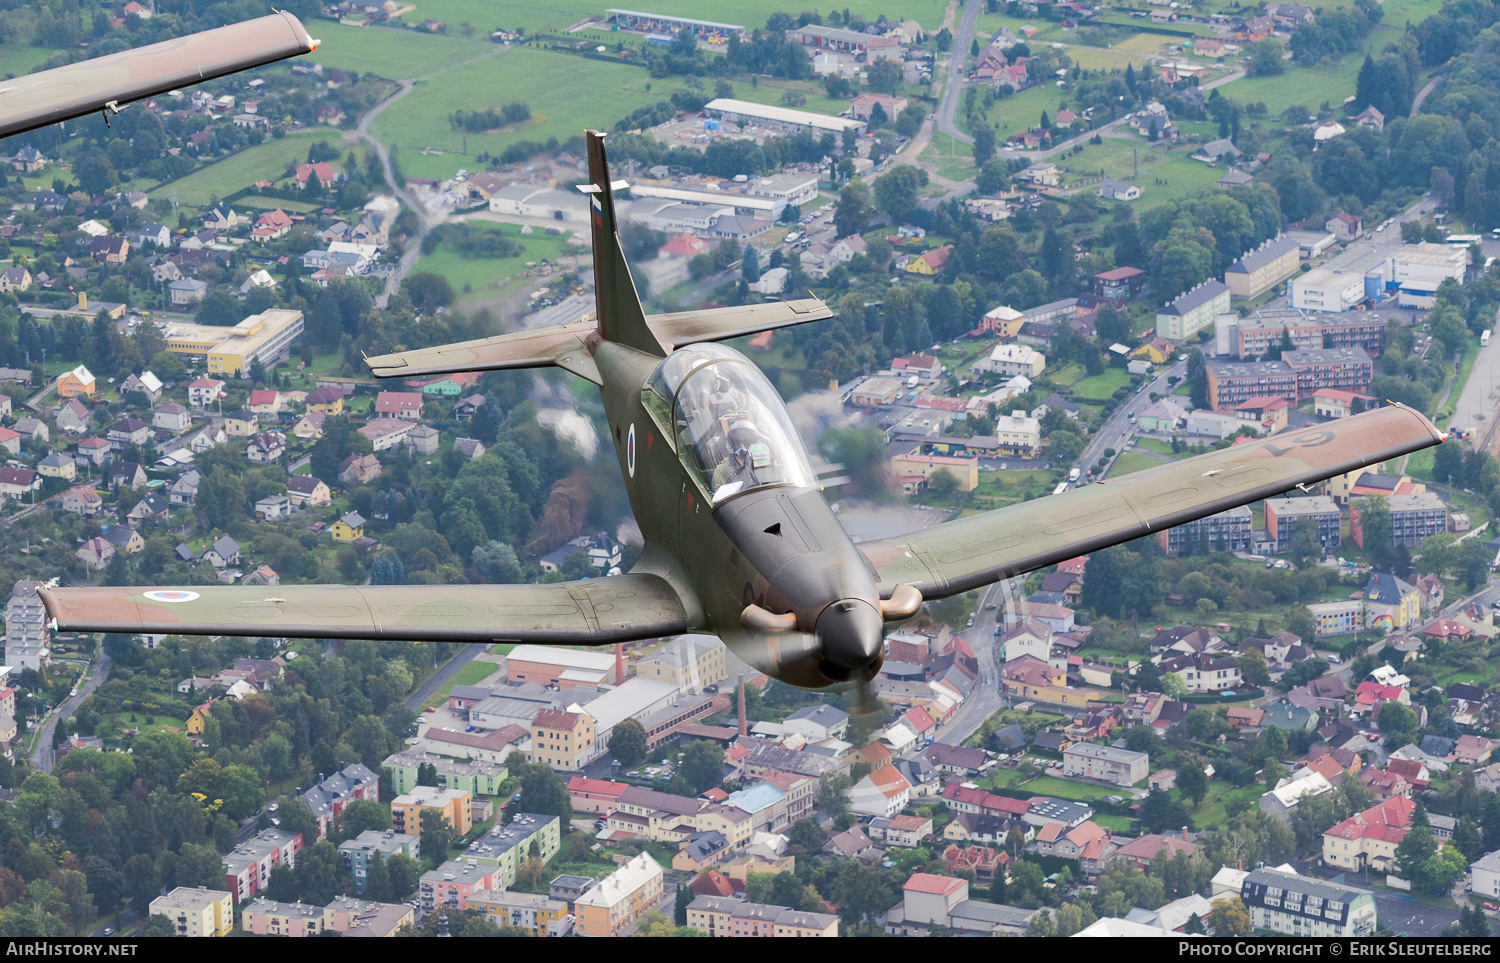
507	846
247	868
1414	518
329	797
621	898
562	739
477	777
1306	906
361	850
1231	383
345	915
727	916
1258	271
1348	368
536	913
1251	337
1282	515
1193	311
689	662
1227	531
455	804
1120	767
196	911
454	882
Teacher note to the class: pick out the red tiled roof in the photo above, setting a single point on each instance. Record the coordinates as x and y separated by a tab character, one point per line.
932	884
555	719
1387	821
597	787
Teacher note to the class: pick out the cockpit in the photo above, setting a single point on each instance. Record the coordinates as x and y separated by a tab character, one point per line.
727	422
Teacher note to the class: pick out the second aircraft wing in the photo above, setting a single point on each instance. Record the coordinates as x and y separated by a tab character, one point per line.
587	612
974	551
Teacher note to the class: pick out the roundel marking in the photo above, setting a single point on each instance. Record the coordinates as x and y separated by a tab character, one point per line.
630	451
170	595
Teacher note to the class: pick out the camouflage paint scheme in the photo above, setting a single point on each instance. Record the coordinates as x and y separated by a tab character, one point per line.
39	99
769	570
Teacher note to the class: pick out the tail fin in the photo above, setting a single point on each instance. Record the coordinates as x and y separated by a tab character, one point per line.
621	318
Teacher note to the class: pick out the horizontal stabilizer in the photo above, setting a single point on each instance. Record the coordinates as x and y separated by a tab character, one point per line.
720	324
589	612
560	345
567	346
112	81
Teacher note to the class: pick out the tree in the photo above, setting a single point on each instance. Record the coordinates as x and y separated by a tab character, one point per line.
437	835
750	264
1041	925
896	190
627	744
984	144
833	795
1266	58
320	869
1229	917
1253	667
1192	778
702	765
852	214
1197	377
377	880
1417	846
884	76
1306	547
544	790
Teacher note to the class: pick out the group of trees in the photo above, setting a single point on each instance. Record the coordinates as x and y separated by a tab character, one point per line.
478	121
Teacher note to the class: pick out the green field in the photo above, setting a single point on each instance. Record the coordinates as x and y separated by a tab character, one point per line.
395	54
481	276
420	120
1312	87
1132	461
1094	58
1101	386
557	15
1021	112
267	160
21	58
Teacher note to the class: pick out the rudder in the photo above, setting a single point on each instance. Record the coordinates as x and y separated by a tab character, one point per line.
621	317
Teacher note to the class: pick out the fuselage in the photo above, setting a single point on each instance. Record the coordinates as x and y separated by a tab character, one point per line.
733	517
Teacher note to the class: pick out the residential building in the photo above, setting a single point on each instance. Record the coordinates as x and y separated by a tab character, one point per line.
732	917
1368	840
1120	767
1320	511
562	739
620	898
345	915
196	911
1252	336
536	913
329	797
507	846
1231	383
453	804
307	491
349	528
1305	906
884	792
1202	672
204	392
362	849
817	723
1228	531
247	869
1193	311
1391	603
1414	518
27	638
1261	269
1009	360
689	662
77	382
1120	284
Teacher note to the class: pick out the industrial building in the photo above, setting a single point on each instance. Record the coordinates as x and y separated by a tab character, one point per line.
743	112
267	336
1325	290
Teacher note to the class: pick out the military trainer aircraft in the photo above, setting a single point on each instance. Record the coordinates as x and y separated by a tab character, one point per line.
739	540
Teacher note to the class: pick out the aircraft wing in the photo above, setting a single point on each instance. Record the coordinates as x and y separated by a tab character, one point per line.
39	99
588	612
964	554
719	324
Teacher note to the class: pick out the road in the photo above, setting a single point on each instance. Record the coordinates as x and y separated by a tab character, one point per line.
958	62
1116	431
44	757
442	676
986	698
